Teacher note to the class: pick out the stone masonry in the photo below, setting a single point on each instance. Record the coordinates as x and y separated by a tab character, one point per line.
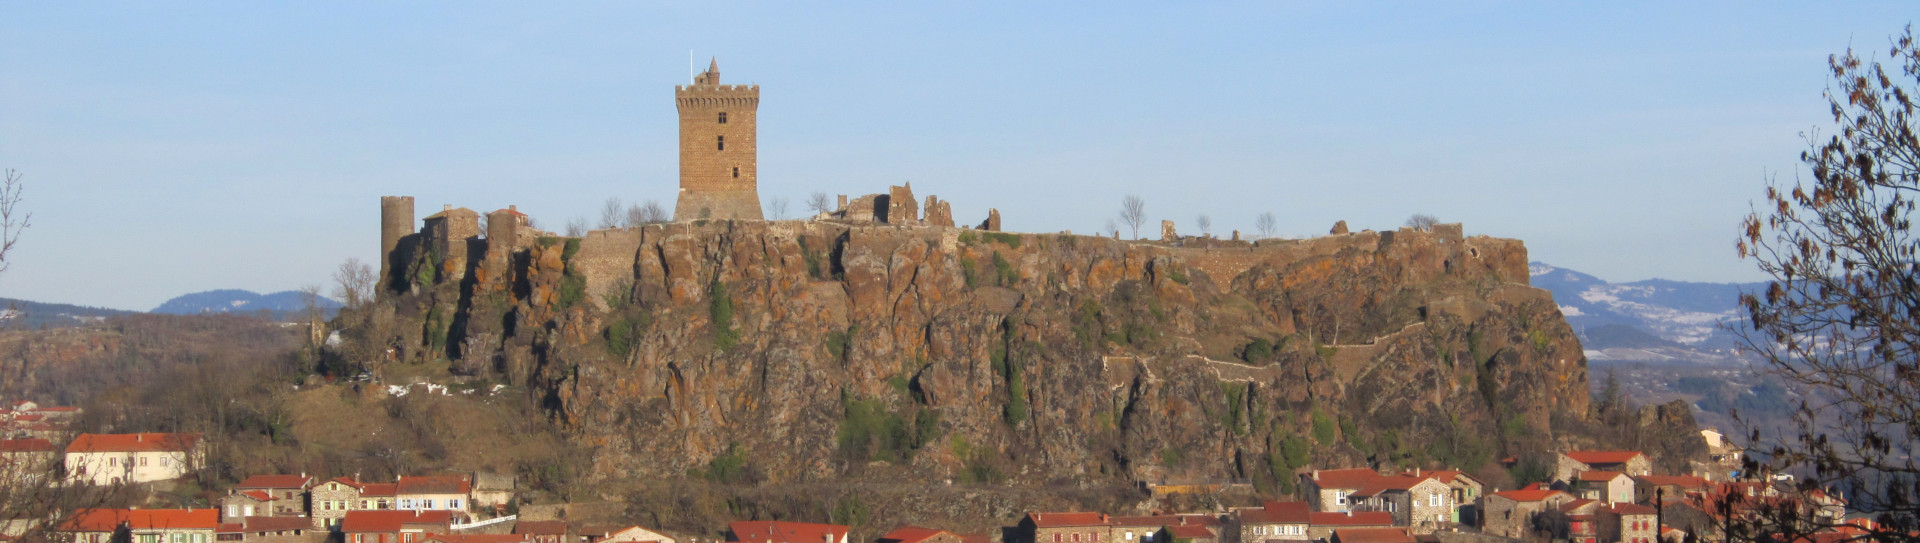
719	169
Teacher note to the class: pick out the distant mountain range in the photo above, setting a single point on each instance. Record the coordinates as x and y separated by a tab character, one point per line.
284	306
1653	320
286	302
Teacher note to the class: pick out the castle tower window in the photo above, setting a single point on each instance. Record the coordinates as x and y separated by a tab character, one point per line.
736	171
722	141
723	117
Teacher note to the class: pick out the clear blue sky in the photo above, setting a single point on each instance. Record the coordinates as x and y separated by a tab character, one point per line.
178	147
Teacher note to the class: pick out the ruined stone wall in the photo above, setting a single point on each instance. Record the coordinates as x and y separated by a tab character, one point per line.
606	259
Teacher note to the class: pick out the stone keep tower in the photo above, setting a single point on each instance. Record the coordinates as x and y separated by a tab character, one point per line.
396	223
718	169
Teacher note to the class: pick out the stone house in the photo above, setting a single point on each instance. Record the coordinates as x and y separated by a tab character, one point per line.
289	493
1040	527
1371	535
1327	490
1668	488
1633	463
1144	528
112	459
147	525
1320	525
1608	487
436	492
492	491
1274	521
629	534
1638	523
475	538
24	461
271	530
775	531
1419	502
1187	533
542	531
1466	492
393	526
1583	520
1508	514
235	507
332	500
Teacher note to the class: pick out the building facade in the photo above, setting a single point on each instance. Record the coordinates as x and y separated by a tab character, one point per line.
719	168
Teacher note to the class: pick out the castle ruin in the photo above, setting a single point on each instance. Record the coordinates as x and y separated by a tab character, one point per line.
719	166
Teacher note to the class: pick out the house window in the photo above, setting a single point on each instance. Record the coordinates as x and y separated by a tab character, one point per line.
453	504
1076	537
1129	536
1056	537
1340	498
164	461
723	117
143	463
722	141
113	461
1433	499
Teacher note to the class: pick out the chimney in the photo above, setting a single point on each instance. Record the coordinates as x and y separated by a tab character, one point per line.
137	438
511	207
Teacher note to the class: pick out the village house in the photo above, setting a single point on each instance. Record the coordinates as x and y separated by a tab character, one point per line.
434	492
25	461
1583	522
1638	523
492	491
774	531
270	530
1320	525
1668	488
330	501
147	525
1608	487
1144	528
1274	521
1509	514
393	526
542	531
629	534
1417	501
1632	463
112	459
916	534
1328	489
1372	535
289	493
237	506
1066	528
1187	533
1466	492
476	538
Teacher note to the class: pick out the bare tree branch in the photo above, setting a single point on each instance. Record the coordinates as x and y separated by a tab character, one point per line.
1133	212
13	220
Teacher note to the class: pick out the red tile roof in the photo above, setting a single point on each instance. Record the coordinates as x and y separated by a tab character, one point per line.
106	520
774	531
1596	476
26	445
1531	494
1383	483
278	524
132	442
1354	478
1372	535
1054	520
1682	481
275	481
29	418
435	484
1576	505
478	538
258	495
230	528
1277	513
1190	531
1603	457
1369	518
541	527
910	534
377	490
366	521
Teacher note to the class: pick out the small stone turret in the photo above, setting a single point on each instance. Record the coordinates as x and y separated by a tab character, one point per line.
503	232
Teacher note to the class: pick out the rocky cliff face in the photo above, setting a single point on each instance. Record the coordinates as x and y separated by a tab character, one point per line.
800	351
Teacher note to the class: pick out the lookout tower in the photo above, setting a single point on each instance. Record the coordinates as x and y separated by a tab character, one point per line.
718	149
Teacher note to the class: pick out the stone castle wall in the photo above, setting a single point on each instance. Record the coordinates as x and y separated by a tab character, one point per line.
606	259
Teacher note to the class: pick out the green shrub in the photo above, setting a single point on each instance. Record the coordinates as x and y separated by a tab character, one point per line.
849	510
1172	457
1178	276
1351	433
1016	396
871	431
572	247
720	308
1236	394
969	272
1322	428
625	332
1004	272
1260	350
727	468
573	288
1295	451
812	258
967	238
1010	240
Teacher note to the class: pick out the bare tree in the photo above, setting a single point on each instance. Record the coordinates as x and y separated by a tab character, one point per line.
818	203
1422	221
1266	224
353	283
13	220
576	227
779	208
611	213
1837	320
1205	223
652	213
1133	212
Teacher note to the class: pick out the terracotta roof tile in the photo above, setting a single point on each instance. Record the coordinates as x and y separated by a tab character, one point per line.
1277	513
910	534
258	495
478	538
774	531
1596	476
1372	535
1529	495
435	484
391	520
1368	518
277	524
1354	478
1633	509
1603	457
1052	520
132	442
105	520
1682	481
26	445
275	482
1190	531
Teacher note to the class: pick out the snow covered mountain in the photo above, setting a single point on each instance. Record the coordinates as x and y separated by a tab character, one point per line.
239	301
1655	319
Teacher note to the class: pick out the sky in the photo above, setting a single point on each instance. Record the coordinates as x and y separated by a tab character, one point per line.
170	148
